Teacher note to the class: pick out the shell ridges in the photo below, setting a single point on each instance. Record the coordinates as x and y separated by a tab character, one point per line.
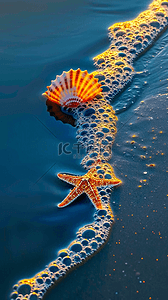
73	87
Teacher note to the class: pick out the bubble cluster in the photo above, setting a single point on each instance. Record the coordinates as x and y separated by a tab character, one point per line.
132	37
128	40
88	239
115	75
96	129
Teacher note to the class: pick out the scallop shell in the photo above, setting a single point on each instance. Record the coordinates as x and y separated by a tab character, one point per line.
73	87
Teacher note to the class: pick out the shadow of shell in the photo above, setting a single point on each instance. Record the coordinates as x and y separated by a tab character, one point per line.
55	111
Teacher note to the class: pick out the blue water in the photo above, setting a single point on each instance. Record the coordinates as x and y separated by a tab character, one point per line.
40	39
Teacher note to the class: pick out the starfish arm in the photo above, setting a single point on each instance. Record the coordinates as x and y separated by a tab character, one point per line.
90	172
69	178
104	182
93	195
71	196
88	184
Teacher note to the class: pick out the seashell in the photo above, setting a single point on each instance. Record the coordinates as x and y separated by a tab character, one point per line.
72	88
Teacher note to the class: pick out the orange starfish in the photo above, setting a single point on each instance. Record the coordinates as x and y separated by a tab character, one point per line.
86	184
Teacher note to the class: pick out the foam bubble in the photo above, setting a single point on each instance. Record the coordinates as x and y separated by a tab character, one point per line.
128	40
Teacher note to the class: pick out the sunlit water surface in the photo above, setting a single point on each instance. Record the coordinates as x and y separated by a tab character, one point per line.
39	40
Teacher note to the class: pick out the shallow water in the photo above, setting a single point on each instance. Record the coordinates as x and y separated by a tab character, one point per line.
37	44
